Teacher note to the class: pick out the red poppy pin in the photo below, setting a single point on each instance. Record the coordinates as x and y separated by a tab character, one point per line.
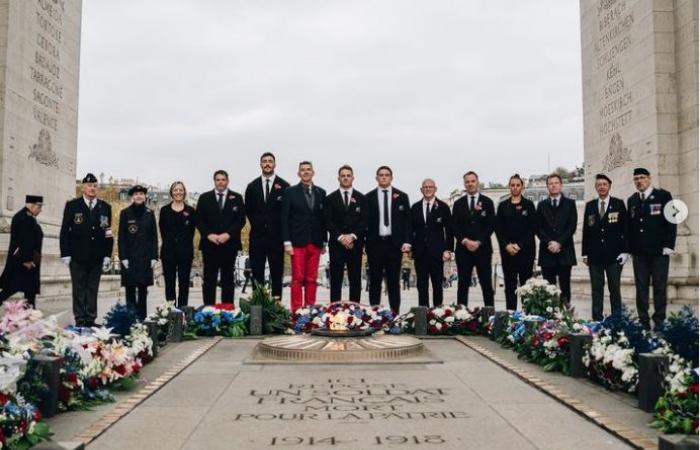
395	196
231	197
185	213
277	186
352	200
478	206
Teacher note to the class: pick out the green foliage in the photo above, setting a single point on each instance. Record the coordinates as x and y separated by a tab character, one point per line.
276	318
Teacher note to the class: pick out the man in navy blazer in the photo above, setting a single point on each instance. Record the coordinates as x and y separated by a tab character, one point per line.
304	234
388	237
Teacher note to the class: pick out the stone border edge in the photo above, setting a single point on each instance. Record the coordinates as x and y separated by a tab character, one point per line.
610	425
124	407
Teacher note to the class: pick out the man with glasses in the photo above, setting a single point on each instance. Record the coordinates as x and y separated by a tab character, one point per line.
432	242
652	242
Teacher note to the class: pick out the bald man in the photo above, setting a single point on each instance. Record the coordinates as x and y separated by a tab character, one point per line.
432	241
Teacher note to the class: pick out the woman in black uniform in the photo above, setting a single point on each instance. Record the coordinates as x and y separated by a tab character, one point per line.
177	225
138	249
516	226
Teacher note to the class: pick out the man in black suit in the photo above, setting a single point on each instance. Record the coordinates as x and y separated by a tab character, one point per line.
346	217
86	242
388	237
604	245
556	225
24	255
220	218
263	206
652	240
473	222
432	242
304	234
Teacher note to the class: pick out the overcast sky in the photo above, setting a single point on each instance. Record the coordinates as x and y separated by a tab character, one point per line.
175	89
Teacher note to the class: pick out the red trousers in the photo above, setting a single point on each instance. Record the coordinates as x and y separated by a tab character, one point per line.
304	274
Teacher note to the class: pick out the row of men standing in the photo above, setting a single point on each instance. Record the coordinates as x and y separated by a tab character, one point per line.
299	220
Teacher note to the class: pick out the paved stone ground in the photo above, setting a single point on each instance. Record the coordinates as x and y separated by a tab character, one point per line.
466	402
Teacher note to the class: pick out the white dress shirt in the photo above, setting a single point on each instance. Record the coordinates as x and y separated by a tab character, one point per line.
428	204
384	230
88	201
606	202
263	181
647	192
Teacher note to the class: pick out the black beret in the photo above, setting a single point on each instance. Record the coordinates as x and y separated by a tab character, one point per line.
137	188
90	178
602	176
641	171
34	199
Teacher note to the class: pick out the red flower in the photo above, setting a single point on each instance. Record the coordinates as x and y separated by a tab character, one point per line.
64	393
3	398
92	383
693	388
277	186
121	370
37	415
2	436
72	378
136	367
225	306
448	312
562	341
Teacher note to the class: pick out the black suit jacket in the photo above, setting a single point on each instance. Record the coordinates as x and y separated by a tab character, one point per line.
649	231
86	236
604	238
434	237
301	225
477	224
265	217
340	220
400	218
212	221
559	225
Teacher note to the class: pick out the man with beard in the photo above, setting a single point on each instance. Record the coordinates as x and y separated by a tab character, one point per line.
263	200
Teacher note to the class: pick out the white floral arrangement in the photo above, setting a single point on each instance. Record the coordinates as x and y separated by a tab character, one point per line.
611	359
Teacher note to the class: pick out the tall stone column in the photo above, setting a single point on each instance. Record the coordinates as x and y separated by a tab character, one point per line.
39	69
640	103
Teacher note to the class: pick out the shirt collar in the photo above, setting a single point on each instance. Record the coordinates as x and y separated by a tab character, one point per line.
606	199
88	201
271	178
429	202
348	190
648	191
557	198
380	189
220	192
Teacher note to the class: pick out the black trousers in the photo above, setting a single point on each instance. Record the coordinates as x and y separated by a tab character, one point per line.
340	258
218	260
85	278
177	269
563	274
429	268
598	273
7	293
654	268
262	251
139	302
466	261
517	270
383	259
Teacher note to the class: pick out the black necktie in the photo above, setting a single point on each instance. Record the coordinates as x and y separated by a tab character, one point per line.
554	203
267	189
427	212
386	208
346	199
642	195
471	202
221	201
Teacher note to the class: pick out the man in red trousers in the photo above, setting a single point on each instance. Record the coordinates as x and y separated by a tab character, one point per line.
304	234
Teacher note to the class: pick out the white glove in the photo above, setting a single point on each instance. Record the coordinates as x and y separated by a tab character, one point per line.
66	260
153	263
622	258
106	263
667	251
125	263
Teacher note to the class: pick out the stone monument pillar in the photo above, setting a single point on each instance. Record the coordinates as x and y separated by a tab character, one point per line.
640	104
39	68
